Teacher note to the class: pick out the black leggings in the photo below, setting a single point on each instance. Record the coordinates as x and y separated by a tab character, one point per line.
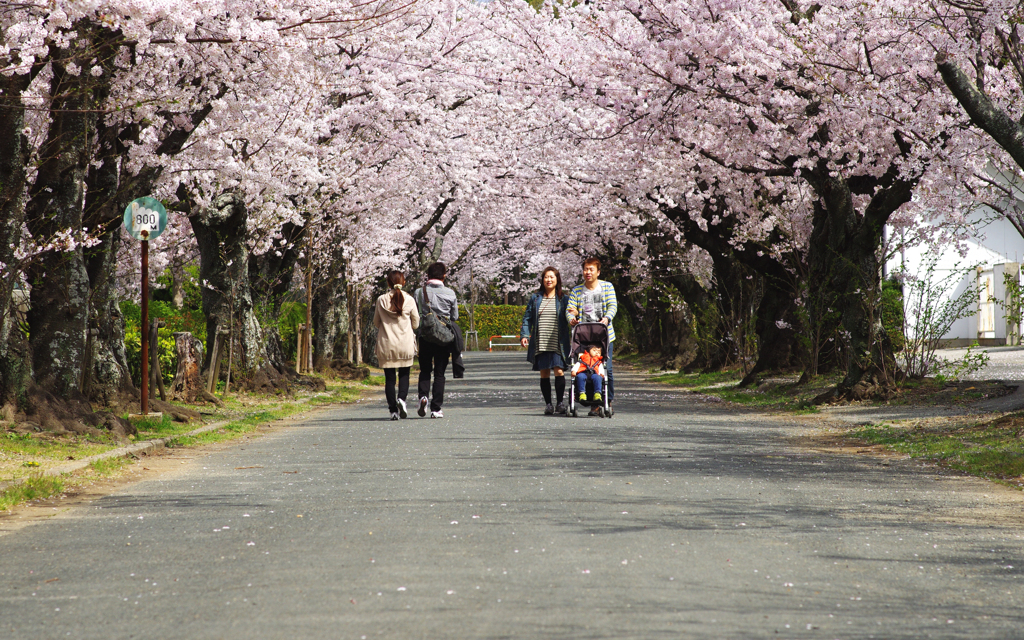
389	386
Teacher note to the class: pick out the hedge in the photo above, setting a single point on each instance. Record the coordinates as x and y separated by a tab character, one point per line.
892	314
493	320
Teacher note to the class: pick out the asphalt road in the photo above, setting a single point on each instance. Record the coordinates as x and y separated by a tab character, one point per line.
677	518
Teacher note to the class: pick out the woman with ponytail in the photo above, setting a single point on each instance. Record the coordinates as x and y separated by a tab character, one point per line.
396	317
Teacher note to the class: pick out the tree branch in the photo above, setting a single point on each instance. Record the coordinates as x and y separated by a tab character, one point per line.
983	112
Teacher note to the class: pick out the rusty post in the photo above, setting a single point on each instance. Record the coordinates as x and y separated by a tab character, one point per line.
144	339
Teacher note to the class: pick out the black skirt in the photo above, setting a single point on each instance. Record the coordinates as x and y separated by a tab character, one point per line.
548	360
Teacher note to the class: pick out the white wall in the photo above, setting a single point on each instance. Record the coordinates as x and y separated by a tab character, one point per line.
994	242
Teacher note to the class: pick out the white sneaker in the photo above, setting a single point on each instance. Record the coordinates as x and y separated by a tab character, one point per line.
423	406
394	416
403	412
436	414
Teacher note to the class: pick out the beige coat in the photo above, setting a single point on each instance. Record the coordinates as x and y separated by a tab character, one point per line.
396	333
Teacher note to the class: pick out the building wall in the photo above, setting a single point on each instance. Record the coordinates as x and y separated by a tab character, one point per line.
994	247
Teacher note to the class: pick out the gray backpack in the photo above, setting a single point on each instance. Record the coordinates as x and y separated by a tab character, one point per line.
433	328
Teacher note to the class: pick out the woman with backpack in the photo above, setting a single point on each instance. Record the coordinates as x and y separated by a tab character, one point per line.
396	317
546	335
439	309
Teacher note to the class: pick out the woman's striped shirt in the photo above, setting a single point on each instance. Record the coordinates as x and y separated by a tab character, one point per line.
547	325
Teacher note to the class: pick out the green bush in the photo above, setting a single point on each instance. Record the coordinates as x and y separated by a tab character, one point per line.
493	320
892	314
177	320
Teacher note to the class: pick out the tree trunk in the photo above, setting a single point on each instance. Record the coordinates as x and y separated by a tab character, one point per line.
188	381
60	284
14	150
843	260
270	277
778	328
109	377
776	319
220	232
358	332
330	320
679	344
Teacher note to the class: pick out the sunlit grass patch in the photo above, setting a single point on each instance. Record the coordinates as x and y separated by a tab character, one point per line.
938	391
158	427
14	444
993	450
340	392
109	466
777	393
241	426
699	380
33	488
374	381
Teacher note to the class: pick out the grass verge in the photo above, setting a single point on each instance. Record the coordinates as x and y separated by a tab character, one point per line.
992	450
24	455
34	488
784	394
773	395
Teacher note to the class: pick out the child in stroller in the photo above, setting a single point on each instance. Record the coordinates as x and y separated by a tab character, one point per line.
588	345
590	369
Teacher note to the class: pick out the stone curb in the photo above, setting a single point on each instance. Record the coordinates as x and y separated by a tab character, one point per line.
145	446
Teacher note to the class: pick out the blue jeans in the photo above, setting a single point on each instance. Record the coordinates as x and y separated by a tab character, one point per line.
608	372
581	381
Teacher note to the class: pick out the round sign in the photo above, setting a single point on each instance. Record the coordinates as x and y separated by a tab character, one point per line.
145	218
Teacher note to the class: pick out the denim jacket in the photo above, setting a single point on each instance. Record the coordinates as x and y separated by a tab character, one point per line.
529	329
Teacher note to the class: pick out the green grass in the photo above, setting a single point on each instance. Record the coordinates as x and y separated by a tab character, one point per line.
25	454
723	384
109	466
993	450
33	488
13	444
699	380
165	426
337	395
240	427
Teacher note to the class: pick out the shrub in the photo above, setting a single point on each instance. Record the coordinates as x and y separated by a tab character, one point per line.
177	320
892	314
493	320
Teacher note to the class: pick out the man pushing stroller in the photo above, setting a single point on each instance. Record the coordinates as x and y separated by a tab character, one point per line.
595	301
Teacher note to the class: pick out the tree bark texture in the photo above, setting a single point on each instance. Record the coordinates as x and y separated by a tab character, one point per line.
220	232
270	274
843	261
659	313
60	284
109	376
776	324
14	150
330	320
188	381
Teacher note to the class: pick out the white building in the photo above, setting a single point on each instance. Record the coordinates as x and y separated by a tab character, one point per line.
995	249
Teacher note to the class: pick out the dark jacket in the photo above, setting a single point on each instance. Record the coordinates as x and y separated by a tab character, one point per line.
529	329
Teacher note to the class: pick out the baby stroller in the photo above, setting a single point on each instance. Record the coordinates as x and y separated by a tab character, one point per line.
584	335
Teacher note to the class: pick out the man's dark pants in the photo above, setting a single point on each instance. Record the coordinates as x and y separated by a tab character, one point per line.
433	361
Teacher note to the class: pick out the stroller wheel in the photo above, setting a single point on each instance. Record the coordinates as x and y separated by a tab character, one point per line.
608	413
600	412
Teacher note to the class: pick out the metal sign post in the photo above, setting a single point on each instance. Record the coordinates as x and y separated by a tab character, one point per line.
145	219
